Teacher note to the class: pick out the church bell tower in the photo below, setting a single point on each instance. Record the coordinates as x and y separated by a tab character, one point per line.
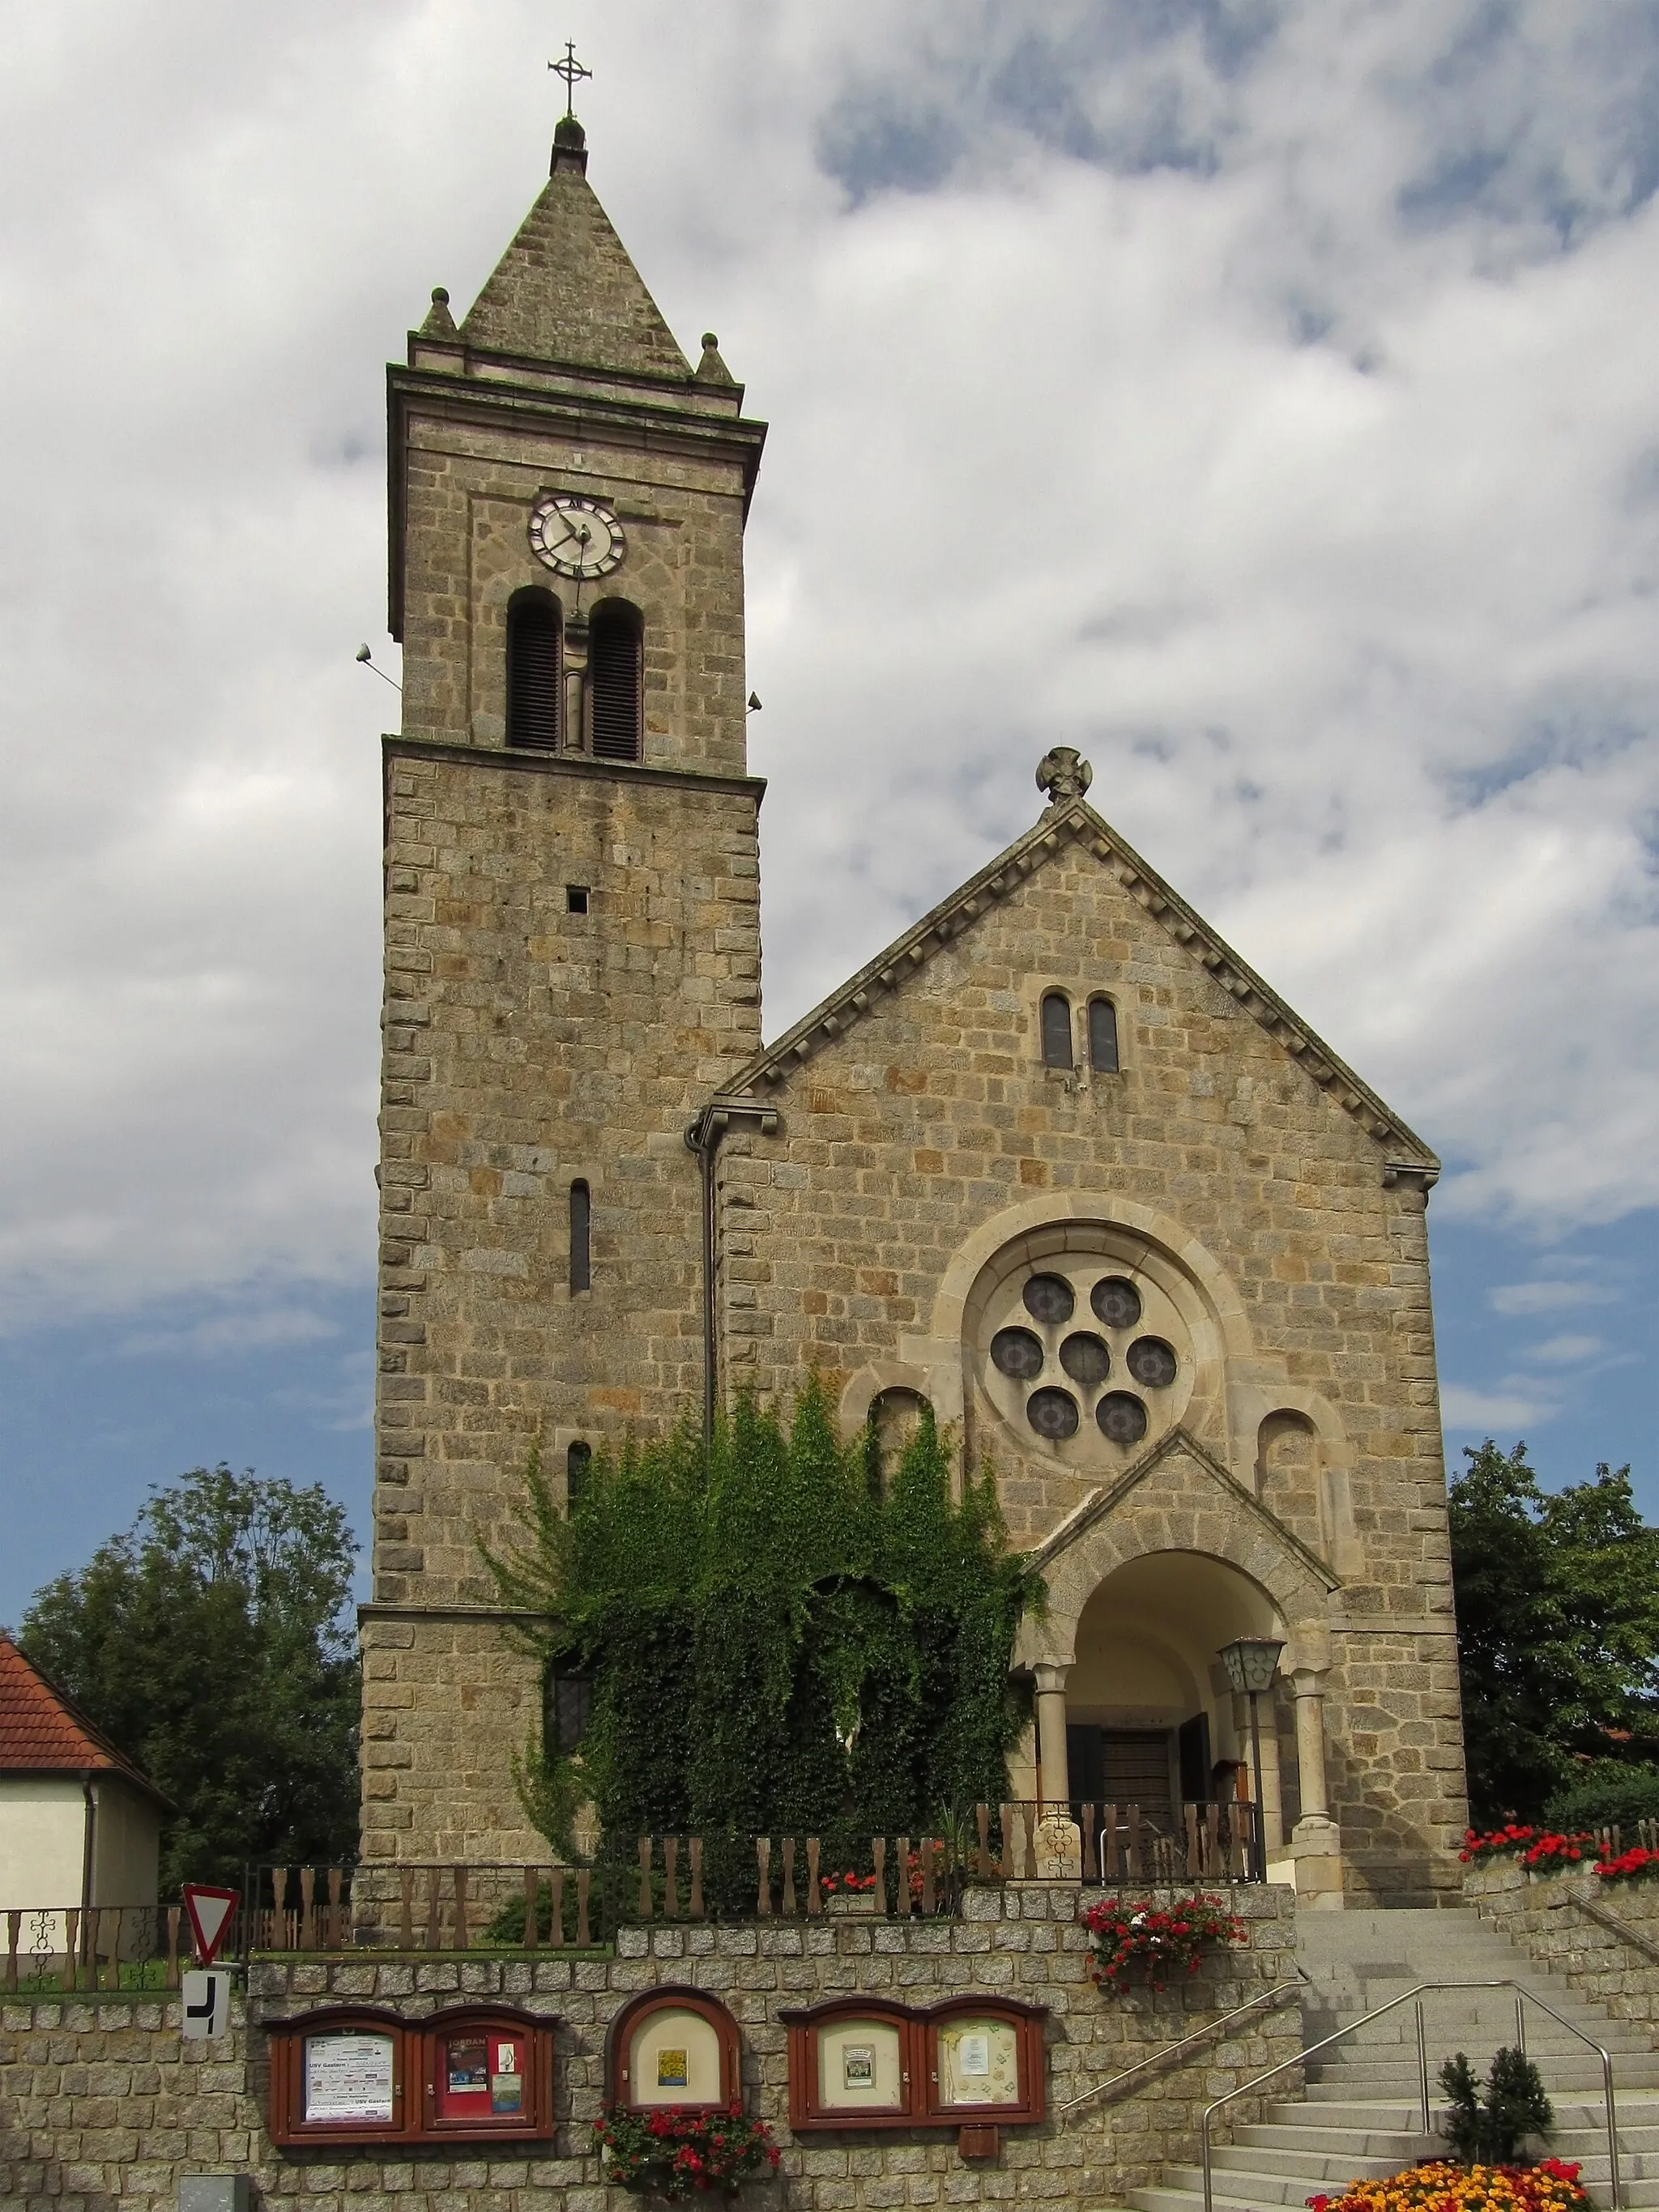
572	953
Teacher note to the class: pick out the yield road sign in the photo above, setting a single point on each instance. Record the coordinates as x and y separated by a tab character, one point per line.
206	2003
209	1911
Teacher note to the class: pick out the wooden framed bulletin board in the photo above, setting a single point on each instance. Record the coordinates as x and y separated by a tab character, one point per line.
673	2046
357	2074
968	2061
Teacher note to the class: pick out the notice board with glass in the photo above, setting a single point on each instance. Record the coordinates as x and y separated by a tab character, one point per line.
672	2047
356	2073
870	2063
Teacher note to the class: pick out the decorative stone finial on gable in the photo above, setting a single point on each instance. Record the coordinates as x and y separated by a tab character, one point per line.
439	323
711	369
1063	775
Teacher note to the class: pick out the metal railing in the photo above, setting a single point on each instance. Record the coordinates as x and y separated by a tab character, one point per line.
1264	1998
51	1949
1522	1998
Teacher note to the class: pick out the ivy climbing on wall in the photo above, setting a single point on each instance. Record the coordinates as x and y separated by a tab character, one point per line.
782	1636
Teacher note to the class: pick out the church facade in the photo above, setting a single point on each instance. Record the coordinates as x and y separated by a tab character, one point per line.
1057	1162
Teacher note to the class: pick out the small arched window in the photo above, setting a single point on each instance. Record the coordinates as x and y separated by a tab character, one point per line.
1057	1029
566	1709
616	677
581	1276
535	671
1102	1036
577	1459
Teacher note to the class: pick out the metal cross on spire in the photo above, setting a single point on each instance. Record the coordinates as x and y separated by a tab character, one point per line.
572	73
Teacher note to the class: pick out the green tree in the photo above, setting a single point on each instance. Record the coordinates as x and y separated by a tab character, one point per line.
1558	1624
213	1643
779	1640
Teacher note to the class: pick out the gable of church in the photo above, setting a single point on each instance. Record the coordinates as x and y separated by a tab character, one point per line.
1139	925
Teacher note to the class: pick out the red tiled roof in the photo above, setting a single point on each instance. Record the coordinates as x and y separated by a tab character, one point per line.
43	1732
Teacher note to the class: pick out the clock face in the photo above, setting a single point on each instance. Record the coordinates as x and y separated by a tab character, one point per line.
576	536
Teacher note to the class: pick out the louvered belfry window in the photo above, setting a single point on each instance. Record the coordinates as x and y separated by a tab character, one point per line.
535	672
615	658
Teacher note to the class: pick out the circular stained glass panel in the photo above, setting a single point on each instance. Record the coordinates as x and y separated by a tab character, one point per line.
1151	1361
1085	1359
1116	1302
1048	1298
1053	1414
1122	1418
1016	1352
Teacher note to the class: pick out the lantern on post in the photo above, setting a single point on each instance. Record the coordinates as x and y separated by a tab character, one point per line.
1251	1662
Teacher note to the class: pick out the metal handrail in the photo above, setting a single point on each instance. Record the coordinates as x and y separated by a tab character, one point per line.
1277	1995
1522	1996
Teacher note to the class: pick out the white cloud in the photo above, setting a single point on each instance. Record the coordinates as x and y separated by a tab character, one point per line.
1521	1298
232	1333
1266	410
1489	1411
1566	1351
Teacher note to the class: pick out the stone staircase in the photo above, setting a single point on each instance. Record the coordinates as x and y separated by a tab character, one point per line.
1359	2114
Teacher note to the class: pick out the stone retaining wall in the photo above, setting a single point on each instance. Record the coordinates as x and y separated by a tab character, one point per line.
1543	1914
103	2106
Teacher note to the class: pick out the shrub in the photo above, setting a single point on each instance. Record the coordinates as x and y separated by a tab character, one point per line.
1608	1794
1489	2126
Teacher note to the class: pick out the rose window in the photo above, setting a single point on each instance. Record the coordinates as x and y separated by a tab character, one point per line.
1086	1358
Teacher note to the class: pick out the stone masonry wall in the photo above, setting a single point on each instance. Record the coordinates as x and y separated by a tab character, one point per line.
102	2106
528	1047
1541	1914
930	1116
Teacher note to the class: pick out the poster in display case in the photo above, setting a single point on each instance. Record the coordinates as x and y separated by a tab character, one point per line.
982	2060
357	2074
672	2047
969	2061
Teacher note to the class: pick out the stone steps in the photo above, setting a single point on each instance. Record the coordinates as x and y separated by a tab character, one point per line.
1357	2116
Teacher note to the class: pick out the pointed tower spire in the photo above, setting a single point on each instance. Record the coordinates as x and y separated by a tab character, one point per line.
565	289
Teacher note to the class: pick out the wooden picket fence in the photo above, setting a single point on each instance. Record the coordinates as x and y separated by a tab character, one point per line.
452	1906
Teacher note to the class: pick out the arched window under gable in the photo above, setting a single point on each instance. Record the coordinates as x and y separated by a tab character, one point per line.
1057	1048
616	666
535	671
1102	1036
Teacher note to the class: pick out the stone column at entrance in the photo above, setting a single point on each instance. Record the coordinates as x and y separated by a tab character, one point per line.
1060	1840
1054	1786
1316	1843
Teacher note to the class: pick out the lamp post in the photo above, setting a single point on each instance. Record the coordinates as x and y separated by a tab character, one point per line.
1251	1662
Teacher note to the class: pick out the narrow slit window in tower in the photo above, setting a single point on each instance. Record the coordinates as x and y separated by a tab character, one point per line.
615	659
535	671
581	1265
1056	1029
578	1458
1102	1036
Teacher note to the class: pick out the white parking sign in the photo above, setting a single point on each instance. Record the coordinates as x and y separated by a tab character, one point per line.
207	2004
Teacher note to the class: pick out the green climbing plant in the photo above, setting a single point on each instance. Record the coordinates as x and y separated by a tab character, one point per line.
781	1636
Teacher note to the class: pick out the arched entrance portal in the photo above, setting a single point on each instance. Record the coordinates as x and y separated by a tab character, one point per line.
1149	1716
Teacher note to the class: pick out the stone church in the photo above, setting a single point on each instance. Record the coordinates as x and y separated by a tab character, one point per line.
1057	1161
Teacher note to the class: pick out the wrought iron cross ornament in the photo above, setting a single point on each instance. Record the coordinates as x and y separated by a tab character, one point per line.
572	73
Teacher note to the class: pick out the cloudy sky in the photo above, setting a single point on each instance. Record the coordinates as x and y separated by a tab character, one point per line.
1263	398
